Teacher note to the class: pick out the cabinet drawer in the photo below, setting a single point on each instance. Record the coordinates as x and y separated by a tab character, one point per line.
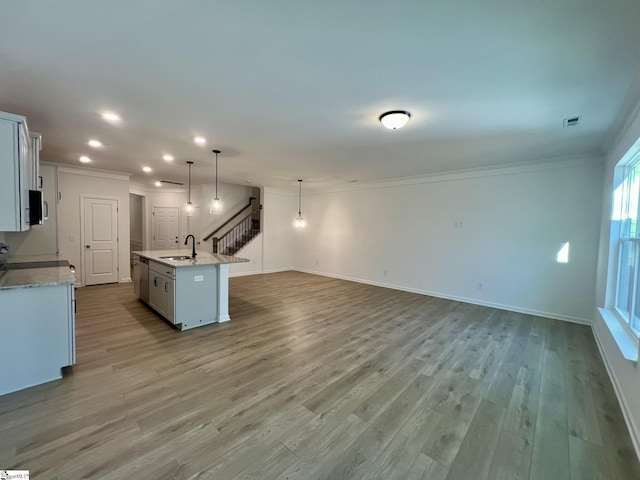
162	269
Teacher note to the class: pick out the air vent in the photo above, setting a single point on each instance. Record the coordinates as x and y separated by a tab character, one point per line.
172	183
572	121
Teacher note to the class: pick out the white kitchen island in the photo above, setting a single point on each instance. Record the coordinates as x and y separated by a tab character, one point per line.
186	292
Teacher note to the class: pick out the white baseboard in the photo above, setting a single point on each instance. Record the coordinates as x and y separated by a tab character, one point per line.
634	431
244	274
278	270
126	280
473	301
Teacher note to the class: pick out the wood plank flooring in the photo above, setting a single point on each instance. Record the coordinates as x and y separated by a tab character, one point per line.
321	378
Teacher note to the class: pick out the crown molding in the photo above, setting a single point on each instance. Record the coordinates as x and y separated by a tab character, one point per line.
569	161
90	172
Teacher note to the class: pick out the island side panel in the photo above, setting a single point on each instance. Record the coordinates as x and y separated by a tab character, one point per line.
223	293
195	296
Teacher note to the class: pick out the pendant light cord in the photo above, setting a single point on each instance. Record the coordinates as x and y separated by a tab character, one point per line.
299	197
216	174
189	195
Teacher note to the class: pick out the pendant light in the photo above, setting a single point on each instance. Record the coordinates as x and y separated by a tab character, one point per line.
299	221
189	204
216	204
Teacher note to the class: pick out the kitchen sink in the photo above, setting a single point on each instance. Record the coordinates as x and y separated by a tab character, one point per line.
179	257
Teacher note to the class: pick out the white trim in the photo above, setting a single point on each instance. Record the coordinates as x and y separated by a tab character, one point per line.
244	274
125	280
624	339
572	161
278	270
473	301
634	431
94	173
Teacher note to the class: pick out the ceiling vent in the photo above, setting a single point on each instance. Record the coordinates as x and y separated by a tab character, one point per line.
172	183
572	121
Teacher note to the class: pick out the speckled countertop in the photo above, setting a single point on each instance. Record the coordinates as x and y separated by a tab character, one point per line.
33	277
202	258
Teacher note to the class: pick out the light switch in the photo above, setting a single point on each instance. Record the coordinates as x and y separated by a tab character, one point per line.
198	278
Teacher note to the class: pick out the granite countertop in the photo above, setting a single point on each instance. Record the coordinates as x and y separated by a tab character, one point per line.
33	277
202	258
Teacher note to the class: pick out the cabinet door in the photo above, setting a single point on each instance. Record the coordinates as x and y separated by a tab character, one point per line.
169	291
157	297
136	275
34	167
13	197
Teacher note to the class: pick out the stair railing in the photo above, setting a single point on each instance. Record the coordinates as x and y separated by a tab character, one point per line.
242	223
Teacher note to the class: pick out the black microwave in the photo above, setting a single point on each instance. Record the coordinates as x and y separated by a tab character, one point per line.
36	208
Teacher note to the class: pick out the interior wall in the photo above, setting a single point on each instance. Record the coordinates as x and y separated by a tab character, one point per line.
624	373
279	208
73	184
488	237
40	239
136	218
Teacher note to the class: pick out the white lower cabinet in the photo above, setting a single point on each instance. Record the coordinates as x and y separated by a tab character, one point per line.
162	290
37	328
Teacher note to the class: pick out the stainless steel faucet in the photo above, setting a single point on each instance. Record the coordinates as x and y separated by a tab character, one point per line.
186	242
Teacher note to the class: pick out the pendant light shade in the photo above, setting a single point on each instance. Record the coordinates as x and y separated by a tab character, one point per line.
299	221
394	119
216	204
189	207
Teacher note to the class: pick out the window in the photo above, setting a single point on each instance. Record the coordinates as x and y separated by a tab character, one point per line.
625	227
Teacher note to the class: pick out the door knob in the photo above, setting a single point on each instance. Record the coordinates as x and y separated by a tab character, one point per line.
87	246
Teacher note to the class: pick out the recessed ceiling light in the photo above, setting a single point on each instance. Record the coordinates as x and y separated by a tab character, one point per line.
111	116
200	140
84	159
146	169
167	158
158	183
94	143
394	119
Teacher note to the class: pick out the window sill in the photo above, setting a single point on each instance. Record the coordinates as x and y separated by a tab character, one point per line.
626	341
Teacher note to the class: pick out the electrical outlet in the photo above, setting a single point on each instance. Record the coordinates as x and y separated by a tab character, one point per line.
385	273
198	278
479	286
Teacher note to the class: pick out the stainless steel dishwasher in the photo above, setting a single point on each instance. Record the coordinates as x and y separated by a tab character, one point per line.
144	279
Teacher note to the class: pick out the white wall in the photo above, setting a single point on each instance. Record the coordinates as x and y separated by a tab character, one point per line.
40	239
279	208
448	235
625	374
73	184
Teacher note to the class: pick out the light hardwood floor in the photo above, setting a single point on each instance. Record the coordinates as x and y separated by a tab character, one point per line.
321	378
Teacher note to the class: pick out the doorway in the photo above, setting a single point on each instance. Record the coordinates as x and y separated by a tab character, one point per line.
100	240
166	228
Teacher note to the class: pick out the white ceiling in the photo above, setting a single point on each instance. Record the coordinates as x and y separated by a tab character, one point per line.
293	89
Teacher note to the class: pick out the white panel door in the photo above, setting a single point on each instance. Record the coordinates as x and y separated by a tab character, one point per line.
166	228
100	240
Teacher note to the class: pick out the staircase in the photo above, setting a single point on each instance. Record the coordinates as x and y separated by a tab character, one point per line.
239	230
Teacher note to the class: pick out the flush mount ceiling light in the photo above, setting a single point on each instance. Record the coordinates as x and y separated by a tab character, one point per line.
299	221
216	204
146	169
112	117
85	159
167	158
189	204
199	140
158	183
94	143
394	119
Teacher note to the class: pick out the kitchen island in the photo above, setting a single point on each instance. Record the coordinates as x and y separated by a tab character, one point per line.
37	323
187	292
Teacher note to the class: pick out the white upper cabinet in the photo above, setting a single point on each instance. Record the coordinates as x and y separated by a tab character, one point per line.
17	174
35	180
